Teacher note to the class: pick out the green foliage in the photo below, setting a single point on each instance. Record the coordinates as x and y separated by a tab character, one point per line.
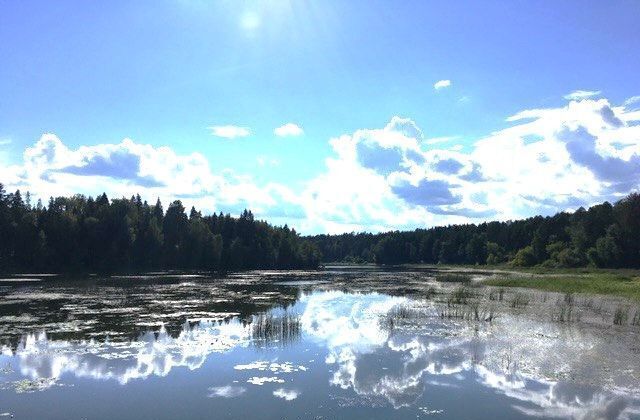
525	257
495	253
607	253
476	249
605	235
85	234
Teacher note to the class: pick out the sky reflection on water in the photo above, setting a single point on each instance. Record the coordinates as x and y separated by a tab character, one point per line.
332	354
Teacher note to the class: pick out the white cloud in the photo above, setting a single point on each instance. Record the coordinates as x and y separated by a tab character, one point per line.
229	131
288	130
546	160
550	160
441	84
438	140
632	100
50	168
581	94
4	142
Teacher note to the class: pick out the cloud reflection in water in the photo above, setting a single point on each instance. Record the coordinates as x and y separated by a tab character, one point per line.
520	359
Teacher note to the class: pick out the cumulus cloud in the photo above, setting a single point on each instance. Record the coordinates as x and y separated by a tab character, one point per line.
288	130
229	131
426	192
632	100
404	126
441	84
582	147
449	166
50	168
545	160
438	140
581	94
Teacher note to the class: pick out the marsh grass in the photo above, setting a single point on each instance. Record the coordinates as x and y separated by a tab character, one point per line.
621	315
269	328
600	283
569	299
402	314
496	295
565	313
565	309
430	292
520	300
470	312
453	278
459	296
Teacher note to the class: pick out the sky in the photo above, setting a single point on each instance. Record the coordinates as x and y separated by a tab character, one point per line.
328	116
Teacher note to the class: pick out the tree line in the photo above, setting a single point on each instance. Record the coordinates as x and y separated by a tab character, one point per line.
605	235
81	233
86	234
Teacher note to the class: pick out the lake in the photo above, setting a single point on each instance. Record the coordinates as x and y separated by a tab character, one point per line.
345	342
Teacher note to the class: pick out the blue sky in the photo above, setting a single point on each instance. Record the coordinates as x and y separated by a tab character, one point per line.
163	73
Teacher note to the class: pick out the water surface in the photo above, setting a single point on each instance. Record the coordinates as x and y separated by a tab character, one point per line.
342	343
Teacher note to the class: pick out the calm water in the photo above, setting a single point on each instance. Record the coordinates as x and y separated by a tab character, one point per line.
343	343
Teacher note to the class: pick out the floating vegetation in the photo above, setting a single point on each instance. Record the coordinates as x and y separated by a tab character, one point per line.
28	385
273	367
453	278
261	380
429	412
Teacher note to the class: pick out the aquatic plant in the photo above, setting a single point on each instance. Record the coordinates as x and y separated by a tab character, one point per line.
565	313
520	300
453	278
269	328
459	296
431	292
496	294
472	312
621	315
400	314
568	298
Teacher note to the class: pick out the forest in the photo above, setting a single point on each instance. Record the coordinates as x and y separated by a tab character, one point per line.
80	234
605	235
87	234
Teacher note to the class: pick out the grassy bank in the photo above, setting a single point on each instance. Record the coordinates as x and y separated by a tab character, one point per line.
625	284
